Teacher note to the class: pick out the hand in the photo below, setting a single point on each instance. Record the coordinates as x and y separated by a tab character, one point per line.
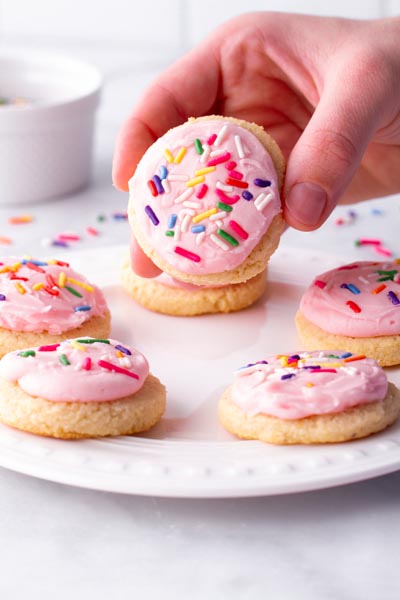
326	89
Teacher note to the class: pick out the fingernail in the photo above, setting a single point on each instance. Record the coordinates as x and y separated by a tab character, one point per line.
306	202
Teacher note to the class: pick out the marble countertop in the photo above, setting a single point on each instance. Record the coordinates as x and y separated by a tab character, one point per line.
63	542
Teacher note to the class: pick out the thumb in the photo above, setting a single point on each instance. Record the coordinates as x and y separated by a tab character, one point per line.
328	153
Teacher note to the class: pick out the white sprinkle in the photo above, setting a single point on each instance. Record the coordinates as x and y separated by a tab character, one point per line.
178	177
45	242
239	146
191	204
218	215
125	362
215	153
223	187
221	135
186	223
166	186
250	161
200	237
177	235
186	194
219	223
371	275
186	211
206	154
261	203
361	278
217	240
349	370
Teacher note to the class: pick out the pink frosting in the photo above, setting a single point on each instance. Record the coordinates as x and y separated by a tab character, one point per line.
361	299
167	205
171	282
287	387
80	370
34	296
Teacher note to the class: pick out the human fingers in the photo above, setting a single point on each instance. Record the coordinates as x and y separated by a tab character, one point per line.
141	264
329	151
187	88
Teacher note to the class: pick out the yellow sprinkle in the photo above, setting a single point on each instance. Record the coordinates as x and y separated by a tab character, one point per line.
62	278
20	288
77	346
309	384
180	155
205	171
81	284
38	286
52	261
330	365
284	361
204	215
5	269
15	267
195	181
168	155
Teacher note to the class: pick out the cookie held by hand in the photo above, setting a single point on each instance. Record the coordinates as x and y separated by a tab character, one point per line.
84	387
205	201
309	398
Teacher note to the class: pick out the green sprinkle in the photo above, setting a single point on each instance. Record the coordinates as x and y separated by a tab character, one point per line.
225	235
101	218
332	356
357	243
170	233
27	353
198	146
388	275
72	291
64	360
223	206
92	341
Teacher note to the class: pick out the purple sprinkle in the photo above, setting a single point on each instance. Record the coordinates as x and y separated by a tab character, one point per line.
2	297
151	214
158	184
294	357
262	182
312	367
247	195
344	286
123	349
394	299
59	243
288	376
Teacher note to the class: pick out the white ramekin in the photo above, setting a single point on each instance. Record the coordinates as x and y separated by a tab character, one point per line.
45	147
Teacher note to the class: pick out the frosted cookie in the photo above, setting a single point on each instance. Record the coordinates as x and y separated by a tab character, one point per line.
84	387
357	307
205	201
309	398
43	302
172	297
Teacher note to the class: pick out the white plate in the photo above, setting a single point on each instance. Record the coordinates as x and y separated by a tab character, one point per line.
189	454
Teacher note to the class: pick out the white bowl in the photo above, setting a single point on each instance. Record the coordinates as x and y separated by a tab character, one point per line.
45	146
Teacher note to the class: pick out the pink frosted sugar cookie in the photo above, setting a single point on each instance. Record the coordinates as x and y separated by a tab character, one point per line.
356	306
309	398
172	297
205	200
45	301
82	387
